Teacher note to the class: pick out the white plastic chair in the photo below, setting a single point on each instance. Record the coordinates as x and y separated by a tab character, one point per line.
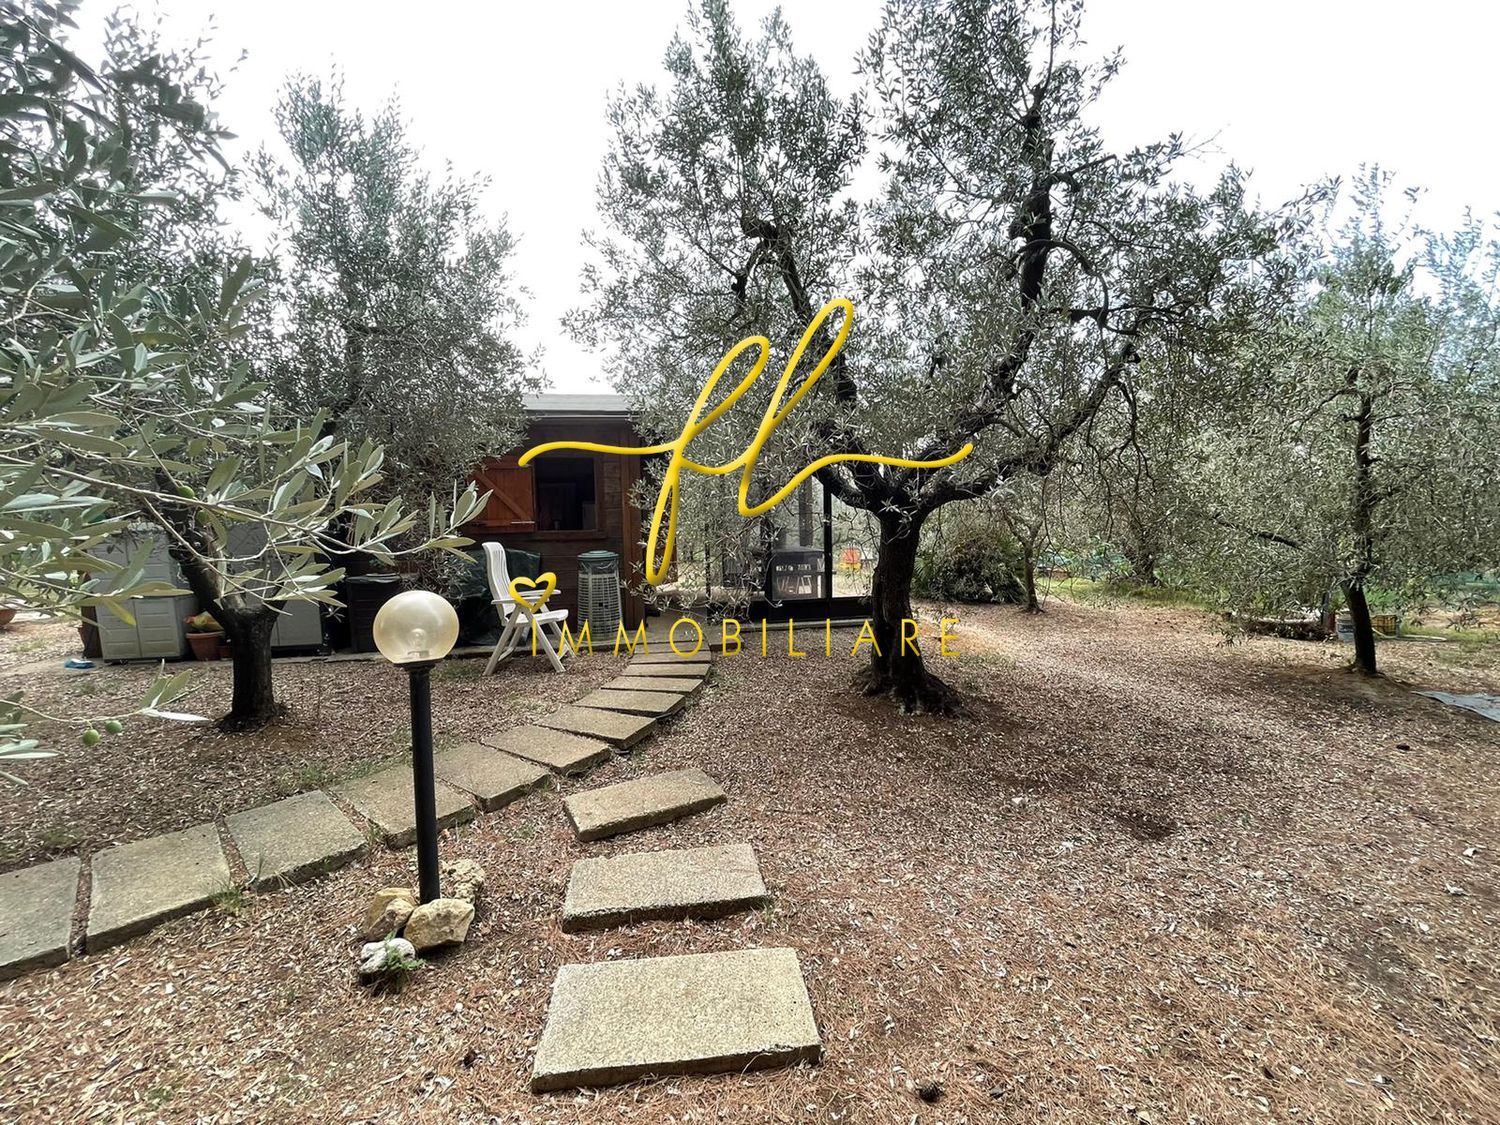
517	618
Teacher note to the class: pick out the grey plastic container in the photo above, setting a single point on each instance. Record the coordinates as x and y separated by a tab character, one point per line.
300	625
160	628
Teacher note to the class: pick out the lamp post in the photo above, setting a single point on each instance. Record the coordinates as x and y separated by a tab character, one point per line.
415	630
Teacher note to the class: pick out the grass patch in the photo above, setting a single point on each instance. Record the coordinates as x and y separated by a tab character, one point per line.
60	839
375	765
397	972
458	670
308	776
231	898
1090	591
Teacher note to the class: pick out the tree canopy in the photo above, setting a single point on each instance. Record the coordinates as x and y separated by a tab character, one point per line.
1010	271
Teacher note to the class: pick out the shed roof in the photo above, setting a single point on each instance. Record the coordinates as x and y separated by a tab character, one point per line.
577	406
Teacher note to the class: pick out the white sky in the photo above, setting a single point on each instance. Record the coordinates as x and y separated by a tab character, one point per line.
1292	89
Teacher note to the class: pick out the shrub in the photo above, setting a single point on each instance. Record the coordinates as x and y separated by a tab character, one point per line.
969	561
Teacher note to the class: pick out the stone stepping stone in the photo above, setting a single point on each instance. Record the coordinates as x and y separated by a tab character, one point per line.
559	751
494	778
702	1013
655	683
140	885
663	886
694	672
386	800
36	914
647	801
658	703
294	840
665	655
622	731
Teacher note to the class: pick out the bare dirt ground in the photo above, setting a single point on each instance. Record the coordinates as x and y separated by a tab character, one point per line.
1150	878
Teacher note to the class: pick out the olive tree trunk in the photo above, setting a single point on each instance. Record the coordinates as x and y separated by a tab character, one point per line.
1362	519
894	668
248	625
1364	630
1028	577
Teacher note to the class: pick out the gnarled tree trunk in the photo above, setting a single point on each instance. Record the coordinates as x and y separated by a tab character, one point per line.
892	670
248	629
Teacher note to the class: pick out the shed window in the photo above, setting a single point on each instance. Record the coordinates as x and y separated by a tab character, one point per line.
565	494
512	506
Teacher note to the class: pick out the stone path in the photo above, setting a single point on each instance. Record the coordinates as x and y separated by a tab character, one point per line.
558	750
656	683
140	885
622	731
609	1022
614	1021
495	779
295	839
38	915
654	703
133	887
667	656
692	672
385	799
654	886
629	805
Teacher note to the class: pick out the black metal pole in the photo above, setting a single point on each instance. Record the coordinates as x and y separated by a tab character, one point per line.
827	550
423	787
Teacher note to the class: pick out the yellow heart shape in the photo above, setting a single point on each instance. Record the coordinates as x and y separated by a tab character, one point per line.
544	582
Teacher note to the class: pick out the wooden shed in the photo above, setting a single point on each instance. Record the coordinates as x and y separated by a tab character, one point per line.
564	504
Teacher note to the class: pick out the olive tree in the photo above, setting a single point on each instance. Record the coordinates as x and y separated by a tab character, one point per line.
1363	460
126	392
394	291
1010	271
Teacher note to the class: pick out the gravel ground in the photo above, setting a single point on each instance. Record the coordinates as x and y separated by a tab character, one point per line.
1149	878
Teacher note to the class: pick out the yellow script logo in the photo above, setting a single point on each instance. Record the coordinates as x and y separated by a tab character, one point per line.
776	413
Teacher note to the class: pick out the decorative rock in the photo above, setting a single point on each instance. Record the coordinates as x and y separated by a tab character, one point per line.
443	921
373	957
383	896
392	916
462	878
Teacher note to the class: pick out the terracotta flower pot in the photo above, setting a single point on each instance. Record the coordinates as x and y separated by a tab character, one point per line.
205	646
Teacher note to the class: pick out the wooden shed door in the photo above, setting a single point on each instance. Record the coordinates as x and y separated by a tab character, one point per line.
512	503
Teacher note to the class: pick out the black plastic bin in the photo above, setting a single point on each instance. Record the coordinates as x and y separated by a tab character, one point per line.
365	594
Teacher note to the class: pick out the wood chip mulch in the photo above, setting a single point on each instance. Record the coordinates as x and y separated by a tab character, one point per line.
346	718
1150	877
